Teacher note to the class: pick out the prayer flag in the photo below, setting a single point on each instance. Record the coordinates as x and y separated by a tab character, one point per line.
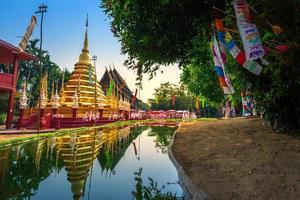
28	33
197	103
219	67
134	97
173	100
221	37
240	57
248	31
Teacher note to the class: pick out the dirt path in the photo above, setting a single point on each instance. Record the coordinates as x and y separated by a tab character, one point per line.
239	159
13	136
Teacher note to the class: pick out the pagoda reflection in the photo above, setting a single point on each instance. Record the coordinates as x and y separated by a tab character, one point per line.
79	150
23	167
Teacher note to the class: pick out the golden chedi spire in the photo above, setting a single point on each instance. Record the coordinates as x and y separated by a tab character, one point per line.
84	58
83	78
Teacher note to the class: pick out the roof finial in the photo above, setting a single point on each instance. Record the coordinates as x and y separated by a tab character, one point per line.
87	20
85	46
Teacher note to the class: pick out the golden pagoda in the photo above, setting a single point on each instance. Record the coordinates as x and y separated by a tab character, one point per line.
83	79
81	100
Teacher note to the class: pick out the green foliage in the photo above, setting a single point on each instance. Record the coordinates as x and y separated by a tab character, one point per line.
2	118
151	191
30	72
154	33
163	98
3	101
276	90
200	76
163	136
142	105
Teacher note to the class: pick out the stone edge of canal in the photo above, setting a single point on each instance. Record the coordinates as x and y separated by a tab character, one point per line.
190	190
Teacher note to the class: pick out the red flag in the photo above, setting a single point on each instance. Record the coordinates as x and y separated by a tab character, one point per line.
198	105
173	100
134	97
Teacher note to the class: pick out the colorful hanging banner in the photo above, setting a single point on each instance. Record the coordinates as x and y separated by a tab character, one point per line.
29	30
240	57
248	31
220	69
134	97
221	37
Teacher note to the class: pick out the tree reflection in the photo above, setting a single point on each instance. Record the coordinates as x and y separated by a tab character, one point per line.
163	136
150	191
23	167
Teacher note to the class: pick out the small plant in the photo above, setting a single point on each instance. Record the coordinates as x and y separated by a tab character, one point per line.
150	192
2	118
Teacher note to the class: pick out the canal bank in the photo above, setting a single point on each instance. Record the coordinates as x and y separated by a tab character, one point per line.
15	136
237	159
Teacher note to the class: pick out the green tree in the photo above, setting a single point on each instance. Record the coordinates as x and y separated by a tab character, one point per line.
163	98
155	33
30	72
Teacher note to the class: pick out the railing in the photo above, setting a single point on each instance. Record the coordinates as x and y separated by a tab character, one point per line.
6	82
46	120
31	120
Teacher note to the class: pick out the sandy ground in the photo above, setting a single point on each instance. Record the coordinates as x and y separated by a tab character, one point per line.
239	159
13	136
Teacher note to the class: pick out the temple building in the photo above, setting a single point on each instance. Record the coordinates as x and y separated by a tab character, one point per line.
122	91
81	100
10	57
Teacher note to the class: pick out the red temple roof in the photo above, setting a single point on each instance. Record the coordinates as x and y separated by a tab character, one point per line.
8	51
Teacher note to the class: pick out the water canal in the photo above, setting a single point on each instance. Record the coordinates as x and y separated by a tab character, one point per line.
96	164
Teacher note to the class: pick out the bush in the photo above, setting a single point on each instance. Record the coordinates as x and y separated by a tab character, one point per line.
2	118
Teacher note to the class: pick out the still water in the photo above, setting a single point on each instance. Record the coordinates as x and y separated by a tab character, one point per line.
96	164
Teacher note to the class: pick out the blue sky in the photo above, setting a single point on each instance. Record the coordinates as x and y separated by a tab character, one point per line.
63	34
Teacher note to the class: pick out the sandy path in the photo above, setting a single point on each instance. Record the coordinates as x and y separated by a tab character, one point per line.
13	136
239	159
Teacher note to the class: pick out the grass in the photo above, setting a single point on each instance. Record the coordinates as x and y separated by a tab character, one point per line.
117	124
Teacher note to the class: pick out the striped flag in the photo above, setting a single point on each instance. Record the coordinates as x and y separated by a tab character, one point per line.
221	37
220	68
197	103
134	97
249	33
173	100
240	56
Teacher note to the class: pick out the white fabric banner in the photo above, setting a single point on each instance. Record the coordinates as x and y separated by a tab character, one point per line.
248	31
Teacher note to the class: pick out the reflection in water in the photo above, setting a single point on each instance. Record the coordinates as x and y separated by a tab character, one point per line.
33	170
78	150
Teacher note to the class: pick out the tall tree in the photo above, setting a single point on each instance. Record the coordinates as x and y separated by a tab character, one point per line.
155	33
